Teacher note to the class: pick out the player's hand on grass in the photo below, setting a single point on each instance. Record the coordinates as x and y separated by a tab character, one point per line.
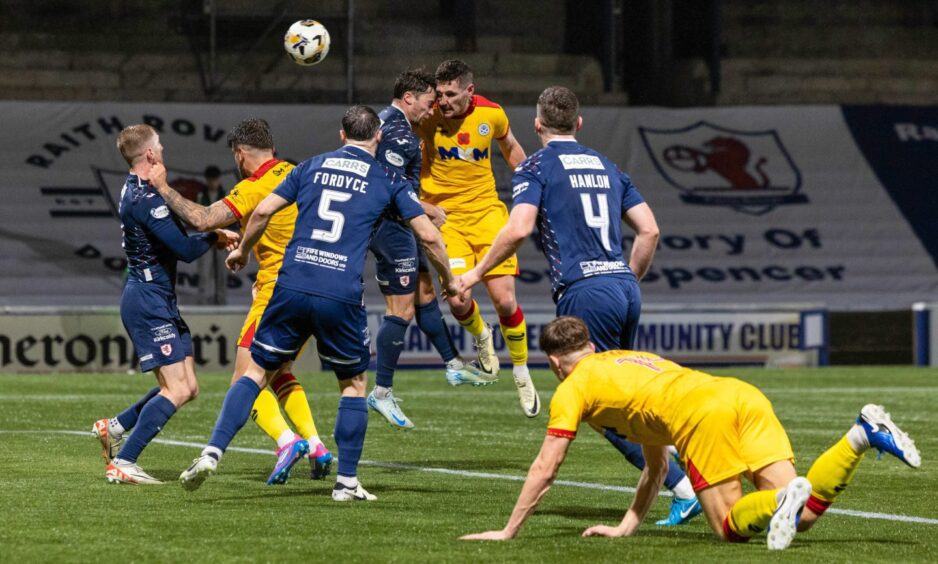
237	259
227	240
488	535
603	531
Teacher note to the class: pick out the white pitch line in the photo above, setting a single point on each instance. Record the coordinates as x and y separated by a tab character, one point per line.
493	476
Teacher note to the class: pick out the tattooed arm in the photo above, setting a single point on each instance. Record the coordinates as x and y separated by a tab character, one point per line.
201	217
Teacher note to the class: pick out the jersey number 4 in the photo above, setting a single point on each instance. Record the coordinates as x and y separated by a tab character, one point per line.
598	218
334	233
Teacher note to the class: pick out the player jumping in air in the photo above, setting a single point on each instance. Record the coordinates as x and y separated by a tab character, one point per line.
723	428
401	267
340	196
457	177
153	240
252	145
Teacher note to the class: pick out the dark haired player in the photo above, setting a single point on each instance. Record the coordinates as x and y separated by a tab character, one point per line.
457	176
340	196
252	146
401	267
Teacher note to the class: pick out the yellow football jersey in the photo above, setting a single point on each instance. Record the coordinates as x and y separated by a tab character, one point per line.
640	395
242	200
456	173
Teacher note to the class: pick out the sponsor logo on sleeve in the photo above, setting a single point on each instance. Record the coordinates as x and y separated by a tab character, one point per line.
393	158
518	189
160	212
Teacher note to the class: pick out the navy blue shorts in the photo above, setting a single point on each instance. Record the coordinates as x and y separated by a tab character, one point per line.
151	318
341	331
398	258
610	307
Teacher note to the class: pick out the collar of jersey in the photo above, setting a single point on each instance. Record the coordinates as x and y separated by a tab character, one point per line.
261	170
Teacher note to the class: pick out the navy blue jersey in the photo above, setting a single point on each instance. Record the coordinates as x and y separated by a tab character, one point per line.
153	238
581	197
399	149
339	196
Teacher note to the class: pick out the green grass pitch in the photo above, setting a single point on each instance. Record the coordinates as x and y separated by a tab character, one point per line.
57	507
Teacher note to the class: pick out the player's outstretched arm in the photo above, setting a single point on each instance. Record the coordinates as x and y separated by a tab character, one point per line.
642	220
256	226
506	243
656	469
541	476
201	217
511	149
432	242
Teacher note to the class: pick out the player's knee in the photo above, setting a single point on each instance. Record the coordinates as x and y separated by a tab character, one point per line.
193	392
505	306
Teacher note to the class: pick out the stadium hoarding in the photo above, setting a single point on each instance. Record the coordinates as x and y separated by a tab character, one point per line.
92	339
761	205
776	335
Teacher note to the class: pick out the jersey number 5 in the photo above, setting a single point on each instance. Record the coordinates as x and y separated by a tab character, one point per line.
597	219
334	233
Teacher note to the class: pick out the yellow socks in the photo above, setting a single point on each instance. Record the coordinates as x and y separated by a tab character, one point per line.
830	474
295	404
472	320
515	331
750	515
266	413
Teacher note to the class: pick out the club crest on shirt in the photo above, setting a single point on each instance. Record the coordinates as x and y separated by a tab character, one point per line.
749	171
484	129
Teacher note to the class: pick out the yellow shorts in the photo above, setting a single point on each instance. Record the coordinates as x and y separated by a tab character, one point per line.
468	236
733	431
261	297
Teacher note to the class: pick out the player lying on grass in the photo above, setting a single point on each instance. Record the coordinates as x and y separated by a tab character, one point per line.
723	428
252	146
153	240
339	197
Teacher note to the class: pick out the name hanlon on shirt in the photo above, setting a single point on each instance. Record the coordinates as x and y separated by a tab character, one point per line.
589	180
340	181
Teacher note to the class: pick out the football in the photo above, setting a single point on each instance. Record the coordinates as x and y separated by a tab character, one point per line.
307	42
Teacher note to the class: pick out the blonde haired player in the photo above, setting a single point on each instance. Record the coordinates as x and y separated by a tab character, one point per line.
722	428
253	148
456	176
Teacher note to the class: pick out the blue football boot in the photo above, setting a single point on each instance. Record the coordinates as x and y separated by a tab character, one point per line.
682	511
287	456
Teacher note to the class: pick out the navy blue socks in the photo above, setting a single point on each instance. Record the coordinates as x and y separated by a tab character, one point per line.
234	412
389	344
153	416
351	422
430	320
